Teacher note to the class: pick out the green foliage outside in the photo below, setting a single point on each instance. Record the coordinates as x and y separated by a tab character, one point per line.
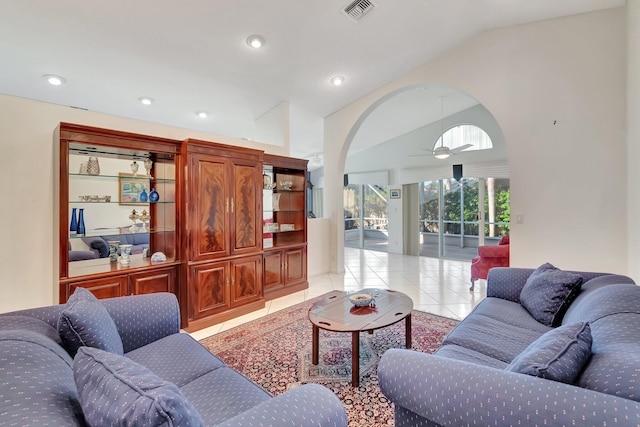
375	207
452	201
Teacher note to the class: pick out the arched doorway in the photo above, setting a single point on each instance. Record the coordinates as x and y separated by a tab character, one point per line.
407	160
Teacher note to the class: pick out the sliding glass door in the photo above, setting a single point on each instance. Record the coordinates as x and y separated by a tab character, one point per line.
365	217
453	222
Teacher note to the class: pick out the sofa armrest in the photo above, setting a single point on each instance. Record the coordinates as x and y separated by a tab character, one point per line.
455	393
143	319
507	282
310	404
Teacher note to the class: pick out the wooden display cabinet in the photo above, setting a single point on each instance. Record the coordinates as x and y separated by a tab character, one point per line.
107	191
222	212
284	225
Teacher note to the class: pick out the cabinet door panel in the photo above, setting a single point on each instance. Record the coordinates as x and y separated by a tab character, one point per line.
246	280
295	265
246	208
209	205
209	292
108	287
273	277
161	280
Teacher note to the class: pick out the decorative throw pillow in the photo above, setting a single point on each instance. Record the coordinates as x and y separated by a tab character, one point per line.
549	292
558	355
99	244
86	322
116	391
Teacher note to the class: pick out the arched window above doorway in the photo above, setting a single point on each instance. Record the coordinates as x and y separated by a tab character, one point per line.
460	135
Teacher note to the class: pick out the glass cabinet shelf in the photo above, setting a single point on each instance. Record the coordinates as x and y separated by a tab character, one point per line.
117	232
102	202
129	177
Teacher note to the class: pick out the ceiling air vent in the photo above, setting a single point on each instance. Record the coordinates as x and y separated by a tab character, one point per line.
358	9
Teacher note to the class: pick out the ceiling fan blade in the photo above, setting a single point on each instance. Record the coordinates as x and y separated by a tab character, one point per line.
420	155
461	148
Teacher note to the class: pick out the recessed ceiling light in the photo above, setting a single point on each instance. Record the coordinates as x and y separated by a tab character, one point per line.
337	80
146	100
54	80
202	114
255	41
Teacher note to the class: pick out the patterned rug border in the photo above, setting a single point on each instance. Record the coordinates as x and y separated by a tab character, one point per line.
274	352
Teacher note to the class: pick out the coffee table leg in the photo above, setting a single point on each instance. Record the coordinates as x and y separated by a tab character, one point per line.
407	331
315	344
355	359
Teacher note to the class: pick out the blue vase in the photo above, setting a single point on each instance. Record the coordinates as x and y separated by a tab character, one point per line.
81	229
73	228
154	196
143	196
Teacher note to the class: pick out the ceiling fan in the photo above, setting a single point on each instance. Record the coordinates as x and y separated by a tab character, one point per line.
442	152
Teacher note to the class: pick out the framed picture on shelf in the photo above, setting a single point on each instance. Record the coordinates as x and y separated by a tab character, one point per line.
394	193
130	187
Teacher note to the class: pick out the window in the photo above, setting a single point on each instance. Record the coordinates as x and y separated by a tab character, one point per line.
460	135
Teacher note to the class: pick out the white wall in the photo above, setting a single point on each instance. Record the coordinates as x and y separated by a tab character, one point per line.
27	256
557	91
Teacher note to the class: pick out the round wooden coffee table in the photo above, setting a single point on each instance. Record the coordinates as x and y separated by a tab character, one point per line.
335	312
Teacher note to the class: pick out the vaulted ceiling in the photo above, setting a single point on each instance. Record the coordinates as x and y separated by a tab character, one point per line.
192	56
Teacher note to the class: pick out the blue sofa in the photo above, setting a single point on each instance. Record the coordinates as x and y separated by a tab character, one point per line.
42	384
475	378
99	245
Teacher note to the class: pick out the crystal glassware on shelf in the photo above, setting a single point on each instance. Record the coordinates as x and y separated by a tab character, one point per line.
134	216
148	164
134	168
125	254
145	218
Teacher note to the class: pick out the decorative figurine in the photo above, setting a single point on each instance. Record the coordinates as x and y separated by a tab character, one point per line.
154	196
145	218
134	168
134	216
147	165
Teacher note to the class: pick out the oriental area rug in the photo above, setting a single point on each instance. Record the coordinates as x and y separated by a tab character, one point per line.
275	352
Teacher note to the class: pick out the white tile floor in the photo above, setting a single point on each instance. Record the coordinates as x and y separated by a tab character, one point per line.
435	285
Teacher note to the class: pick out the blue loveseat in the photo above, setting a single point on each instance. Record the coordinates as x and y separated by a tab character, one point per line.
476	378
99	245
143	371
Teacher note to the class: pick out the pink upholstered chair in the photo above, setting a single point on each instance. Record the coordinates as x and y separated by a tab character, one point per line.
489	257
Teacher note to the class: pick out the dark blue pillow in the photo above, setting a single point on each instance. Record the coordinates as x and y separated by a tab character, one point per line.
549	292
558	355
116	391
99	244
86	322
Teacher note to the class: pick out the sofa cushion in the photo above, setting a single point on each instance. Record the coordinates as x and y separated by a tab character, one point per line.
452	351
86	322
558	355
549	292
116	391
177	358
37	386
224	393
497	328
27	323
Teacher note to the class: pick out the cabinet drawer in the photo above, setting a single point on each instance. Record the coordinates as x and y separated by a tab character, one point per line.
161	280
108	287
